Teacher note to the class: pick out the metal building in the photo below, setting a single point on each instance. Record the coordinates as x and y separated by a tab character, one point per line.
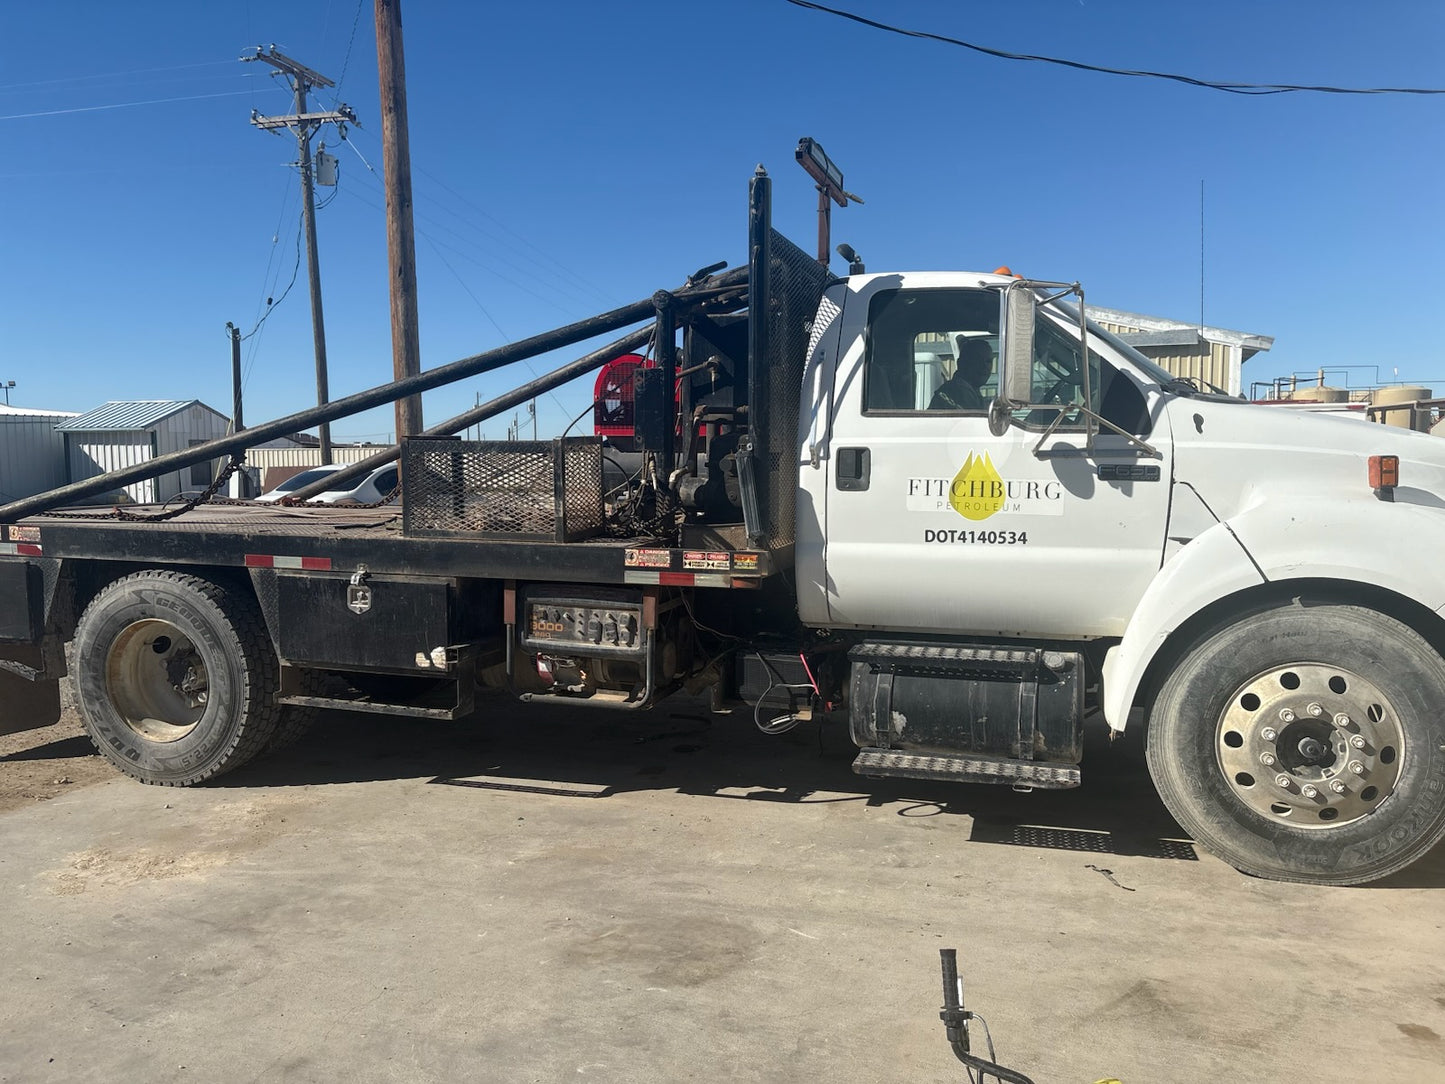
32	453
1213	355
122	434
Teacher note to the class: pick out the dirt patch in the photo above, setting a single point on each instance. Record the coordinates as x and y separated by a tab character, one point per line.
102	868
187	843
37	765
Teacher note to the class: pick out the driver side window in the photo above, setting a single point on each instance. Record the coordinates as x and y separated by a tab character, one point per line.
931	351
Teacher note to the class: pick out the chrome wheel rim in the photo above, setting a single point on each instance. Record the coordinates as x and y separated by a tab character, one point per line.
157	680
1311	746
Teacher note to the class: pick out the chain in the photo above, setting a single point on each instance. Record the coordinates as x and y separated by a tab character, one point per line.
181	509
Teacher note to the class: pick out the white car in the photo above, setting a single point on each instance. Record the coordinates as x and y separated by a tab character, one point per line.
376	486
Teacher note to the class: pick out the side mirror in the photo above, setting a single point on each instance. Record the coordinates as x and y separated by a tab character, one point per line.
1015	355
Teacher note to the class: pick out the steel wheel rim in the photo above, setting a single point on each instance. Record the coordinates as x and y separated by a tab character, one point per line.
157	680
1310	746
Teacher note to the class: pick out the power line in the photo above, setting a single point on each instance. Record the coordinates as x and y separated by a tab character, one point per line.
1228	88
503	226
438	225
123	105
494	323
271	303
350	42
112	75
497	243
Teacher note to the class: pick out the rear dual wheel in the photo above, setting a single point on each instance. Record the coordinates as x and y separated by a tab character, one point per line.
175	677
1306	743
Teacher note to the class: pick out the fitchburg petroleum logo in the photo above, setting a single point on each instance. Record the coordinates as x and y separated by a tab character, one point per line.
979	491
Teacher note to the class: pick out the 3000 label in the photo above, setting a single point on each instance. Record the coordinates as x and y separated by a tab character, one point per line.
987	538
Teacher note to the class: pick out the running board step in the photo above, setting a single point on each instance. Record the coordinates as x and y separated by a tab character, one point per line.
376	707
1019	773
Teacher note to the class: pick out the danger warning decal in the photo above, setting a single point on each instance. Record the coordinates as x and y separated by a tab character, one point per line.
732	563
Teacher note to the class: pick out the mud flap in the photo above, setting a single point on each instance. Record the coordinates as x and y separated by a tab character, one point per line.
27	704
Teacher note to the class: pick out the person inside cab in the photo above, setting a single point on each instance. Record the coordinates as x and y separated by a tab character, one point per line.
964	389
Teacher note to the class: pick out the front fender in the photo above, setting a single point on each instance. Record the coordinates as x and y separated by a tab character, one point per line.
1212	566
1385	545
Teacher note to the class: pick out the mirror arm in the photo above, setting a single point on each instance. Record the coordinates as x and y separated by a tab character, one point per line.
1139	442
1047	433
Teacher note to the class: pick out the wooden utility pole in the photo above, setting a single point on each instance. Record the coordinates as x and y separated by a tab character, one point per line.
302	80
235	333
400	237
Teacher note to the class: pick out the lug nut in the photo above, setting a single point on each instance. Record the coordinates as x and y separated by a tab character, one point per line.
1342	721
1308	790
1357	741
1282	780
1269	733
1337	786
1315	710
1357	767
1267	759
1286	715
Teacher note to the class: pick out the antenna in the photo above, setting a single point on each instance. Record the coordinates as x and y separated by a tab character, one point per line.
1201	255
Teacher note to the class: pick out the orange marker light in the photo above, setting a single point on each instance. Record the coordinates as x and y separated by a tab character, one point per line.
1384	471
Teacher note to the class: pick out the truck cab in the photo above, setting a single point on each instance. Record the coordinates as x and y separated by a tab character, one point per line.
923	517
1259	582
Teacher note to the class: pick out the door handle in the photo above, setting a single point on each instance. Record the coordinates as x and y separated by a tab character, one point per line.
853	469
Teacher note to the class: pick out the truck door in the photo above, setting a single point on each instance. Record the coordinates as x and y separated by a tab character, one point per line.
935	524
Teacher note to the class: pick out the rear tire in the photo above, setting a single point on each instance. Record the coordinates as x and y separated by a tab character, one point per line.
175	677
1306	743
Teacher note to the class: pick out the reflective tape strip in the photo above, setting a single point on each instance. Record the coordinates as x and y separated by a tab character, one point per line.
21	549
310	564
683	579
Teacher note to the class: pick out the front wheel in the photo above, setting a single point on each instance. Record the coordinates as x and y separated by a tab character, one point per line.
1306	743
175	677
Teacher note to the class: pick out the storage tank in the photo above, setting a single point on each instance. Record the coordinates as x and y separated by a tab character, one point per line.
1318	393
1403	417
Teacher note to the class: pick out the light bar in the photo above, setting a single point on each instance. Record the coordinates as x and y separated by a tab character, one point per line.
821	168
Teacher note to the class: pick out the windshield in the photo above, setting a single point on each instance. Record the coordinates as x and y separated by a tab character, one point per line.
305	478
1150	368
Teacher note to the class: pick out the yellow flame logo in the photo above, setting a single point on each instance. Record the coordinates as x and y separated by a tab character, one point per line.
978	491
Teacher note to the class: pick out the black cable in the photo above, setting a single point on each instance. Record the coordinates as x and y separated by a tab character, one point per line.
270	304
586	410
347	62
1228	88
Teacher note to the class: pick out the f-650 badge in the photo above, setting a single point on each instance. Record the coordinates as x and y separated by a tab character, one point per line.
1128	472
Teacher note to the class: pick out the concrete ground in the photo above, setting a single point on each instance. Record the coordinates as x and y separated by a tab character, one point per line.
548	895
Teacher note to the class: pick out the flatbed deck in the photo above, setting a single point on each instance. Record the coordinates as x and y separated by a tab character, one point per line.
337	538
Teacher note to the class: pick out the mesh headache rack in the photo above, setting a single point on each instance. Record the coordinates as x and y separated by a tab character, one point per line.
527	491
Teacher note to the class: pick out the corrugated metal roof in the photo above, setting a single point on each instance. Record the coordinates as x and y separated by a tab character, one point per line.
1138	322
127	415
1184	336
8	411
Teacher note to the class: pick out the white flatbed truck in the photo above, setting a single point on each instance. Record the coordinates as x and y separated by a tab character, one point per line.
797	526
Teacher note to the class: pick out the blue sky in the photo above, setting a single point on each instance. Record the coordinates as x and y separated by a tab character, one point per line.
573	156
